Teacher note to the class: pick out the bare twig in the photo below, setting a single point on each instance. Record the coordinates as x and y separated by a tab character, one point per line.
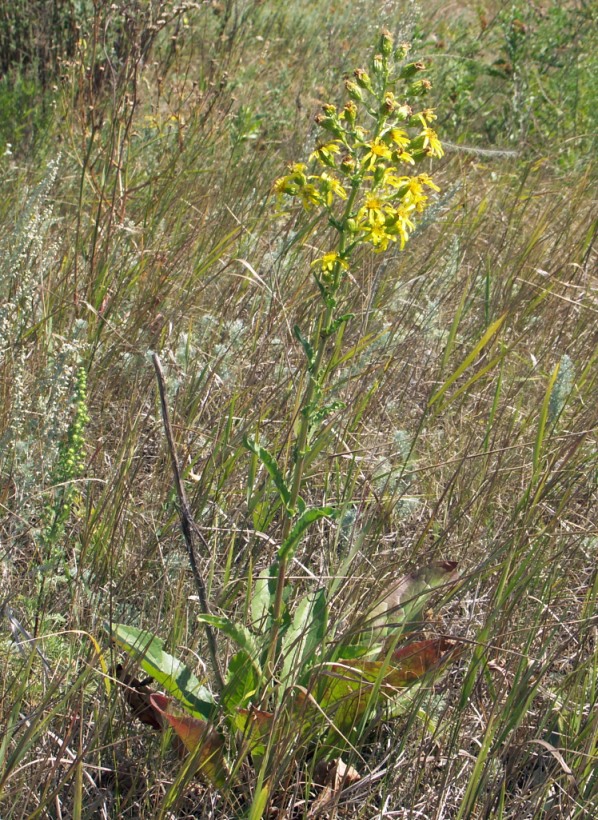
188	525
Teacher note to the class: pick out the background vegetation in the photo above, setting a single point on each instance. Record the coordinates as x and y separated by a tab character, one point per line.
138	146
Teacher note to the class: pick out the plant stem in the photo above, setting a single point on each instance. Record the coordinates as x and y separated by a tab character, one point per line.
322	334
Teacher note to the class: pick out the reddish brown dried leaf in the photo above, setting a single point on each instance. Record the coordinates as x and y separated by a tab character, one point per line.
255	726
199	738
344	690
415	659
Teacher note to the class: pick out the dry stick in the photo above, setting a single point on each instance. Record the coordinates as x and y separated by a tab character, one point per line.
188	525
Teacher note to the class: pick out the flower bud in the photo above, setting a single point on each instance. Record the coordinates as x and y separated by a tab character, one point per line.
379	171
410	70
329	124
350	113
402	51
378	64
363	79
354	91
390	103
386	42
419	88
347	165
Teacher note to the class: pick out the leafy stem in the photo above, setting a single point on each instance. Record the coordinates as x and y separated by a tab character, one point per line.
361	171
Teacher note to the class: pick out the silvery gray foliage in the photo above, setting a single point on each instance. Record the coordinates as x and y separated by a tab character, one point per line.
42	386
561	389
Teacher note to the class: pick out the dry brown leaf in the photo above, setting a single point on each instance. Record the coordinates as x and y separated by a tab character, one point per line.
334	776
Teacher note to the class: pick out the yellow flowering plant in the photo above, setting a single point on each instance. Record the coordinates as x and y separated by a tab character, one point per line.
307	674
361	179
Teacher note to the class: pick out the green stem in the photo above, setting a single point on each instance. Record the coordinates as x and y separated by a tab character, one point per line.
322	335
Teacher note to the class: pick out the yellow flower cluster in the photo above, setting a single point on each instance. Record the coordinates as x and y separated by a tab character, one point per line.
361	187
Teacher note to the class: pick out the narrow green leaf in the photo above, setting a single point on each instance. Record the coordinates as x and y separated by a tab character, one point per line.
289	545
338	322
452	335
171	674
272	467
476	376
469	359
307	348
260	801
251	474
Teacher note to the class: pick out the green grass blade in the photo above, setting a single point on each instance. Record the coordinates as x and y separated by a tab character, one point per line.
469	359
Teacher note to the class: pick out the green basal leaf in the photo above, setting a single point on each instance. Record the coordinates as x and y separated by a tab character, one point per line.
289	545
261	600
171	674
350	652
242	681
350	691
305	635
254	726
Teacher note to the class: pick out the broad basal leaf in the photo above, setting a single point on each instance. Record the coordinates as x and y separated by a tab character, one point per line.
346	690
404	599
242	681
261	600
254	726
148	651
305	635
415	659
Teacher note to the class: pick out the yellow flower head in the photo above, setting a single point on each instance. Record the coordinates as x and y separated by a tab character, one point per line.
330	186
425	179
432	143
285	185
377	150
325	153
379	237
372	211
399	137
404	156
309	196
429	115
329	262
